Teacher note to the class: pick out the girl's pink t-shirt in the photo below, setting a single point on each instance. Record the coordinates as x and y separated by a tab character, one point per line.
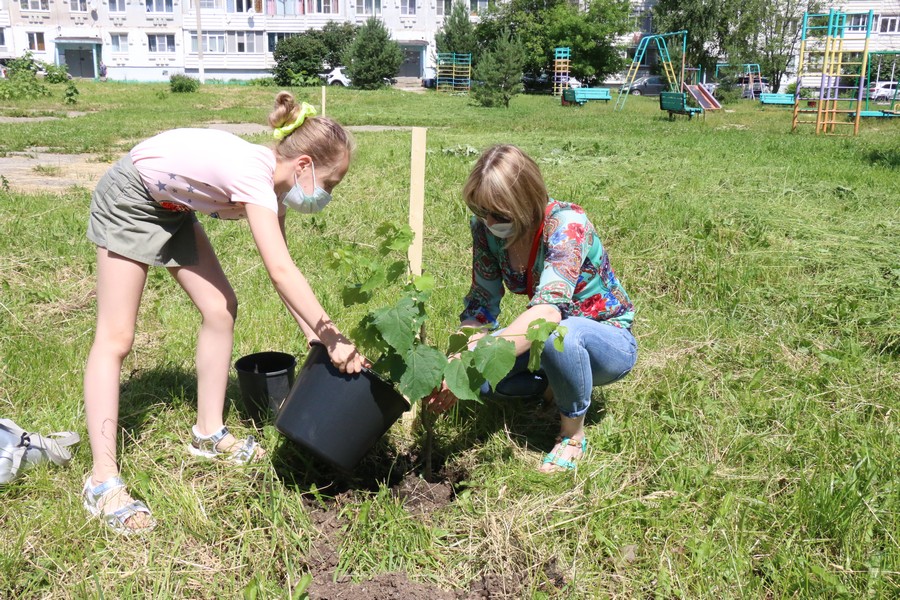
206	170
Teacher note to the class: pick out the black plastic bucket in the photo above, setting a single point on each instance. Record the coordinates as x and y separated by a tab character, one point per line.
335	416
265	378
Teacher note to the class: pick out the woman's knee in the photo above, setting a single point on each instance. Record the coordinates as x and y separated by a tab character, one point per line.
115	343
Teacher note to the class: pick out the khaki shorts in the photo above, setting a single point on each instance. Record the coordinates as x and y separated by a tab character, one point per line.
126	220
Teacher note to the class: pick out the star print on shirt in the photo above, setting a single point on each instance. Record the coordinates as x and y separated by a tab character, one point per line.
190	188
161	186
172	176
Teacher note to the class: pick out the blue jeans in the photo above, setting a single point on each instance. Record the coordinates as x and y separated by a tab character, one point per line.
594	353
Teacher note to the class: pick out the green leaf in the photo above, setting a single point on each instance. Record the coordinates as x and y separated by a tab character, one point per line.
424	283
300	589
396	271
252	589
462	378
392	365
377	279
398	324
539	330
457	343
494	357
561	332
394	238
353	294
425	371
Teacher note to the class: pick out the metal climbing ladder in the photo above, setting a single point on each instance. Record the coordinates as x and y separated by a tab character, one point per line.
562	59
664	57
839	68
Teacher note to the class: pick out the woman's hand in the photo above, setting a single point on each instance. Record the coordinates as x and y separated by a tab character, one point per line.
441	399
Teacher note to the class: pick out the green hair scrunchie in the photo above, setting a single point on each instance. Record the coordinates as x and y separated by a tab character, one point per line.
306	110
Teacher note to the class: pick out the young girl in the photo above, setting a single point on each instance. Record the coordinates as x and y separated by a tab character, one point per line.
550	252
143	214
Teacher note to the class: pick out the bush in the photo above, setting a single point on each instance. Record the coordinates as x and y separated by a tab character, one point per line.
499	73
262	82
183	84
71	94
299	59
55	73
22	85
24	65
373	57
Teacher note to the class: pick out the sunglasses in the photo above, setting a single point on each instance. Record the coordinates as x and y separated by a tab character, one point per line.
500	218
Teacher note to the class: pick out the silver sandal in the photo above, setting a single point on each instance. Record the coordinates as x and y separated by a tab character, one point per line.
205	446
115	519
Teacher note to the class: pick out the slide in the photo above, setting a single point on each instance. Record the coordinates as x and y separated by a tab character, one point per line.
703	97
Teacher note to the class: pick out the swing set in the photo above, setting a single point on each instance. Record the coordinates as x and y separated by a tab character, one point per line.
674	79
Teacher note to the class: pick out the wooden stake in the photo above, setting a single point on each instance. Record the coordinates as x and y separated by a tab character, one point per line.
416	222
417	198
323	100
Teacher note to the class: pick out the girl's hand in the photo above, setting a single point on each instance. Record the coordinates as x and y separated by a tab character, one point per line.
441	399
344	355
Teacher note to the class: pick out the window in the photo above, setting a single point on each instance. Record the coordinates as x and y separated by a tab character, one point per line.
213	42
2	38
36	41
407	7
247	42
159	6
277	36
116	6
368	7
285	7
78	5
444	6
209	4
858	23
34	4
478	6
119	42
888	24
161	42
244	6
328	6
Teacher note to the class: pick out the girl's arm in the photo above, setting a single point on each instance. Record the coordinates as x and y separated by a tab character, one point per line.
307	331
294	290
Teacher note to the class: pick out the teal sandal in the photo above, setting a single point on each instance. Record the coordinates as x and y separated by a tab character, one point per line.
555	458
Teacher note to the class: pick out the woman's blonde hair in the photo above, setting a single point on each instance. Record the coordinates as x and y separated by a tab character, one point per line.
323	139
507	181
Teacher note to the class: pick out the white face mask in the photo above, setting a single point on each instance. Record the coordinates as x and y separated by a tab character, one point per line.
501	230
297	199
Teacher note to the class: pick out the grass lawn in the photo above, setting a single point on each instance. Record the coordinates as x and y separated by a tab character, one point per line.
752	452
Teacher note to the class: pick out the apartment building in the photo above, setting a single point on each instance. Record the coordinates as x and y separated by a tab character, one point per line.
149	40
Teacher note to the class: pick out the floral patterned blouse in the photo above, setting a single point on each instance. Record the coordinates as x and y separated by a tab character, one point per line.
571	271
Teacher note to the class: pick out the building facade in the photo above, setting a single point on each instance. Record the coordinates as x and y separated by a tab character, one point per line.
150	40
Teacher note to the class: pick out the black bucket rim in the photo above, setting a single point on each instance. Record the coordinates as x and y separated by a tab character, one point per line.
367	371
249	357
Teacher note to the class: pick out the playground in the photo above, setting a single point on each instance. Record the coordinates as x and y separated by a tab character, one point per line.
751	453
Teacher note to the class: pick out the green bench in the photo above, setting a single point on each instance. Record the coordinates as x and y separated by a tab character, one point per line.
580	96
782	99
676	103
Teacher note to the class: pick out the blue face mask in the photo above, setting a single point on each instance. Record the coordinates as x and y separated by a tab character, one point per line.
300	201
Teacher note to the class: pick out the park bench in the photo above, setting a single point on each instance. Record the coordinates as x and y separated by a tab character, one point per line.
580	96
676	103
783	99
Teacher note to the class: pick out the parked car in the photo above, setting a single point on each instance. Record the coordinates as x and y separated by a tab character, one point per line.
883	91
752	87
650	85
543	83
336	77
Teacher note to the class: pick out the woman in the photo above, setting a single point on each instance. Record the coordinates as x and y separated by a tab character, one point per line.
549	251
142	215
